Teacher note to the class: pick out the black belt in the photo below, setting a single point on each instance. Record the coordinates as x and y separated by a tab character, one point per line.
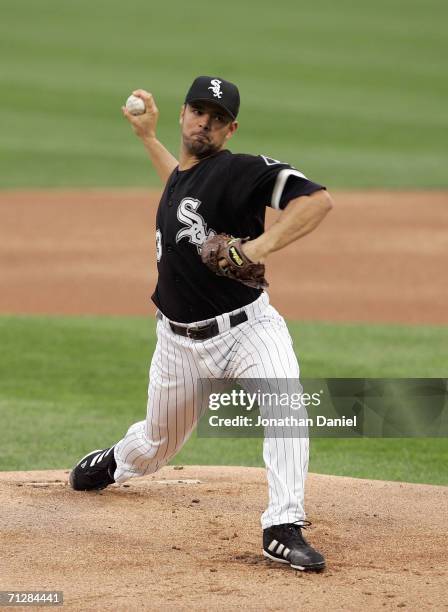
207	331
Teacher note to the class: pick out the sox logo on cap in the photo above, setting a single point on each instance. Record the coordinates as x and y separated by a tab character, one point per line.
216	88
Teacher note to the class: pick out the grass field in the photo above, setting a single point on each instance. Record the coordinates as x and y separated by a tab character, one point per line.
350	92
68	385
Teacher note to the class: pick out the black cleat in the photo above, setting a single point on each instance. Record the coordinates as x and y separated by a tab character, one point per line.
95	471
286	544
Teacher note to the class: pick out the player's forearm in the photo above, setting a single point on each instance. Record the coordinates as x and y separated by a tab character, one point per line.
162	160
144	125
300	217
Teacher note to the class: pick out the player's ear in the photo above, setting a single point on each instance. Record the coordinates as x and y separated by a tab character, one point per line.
232	129
182	113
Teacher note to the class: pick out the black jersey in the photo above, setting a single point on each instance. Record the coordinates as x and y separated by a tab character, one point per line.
225	193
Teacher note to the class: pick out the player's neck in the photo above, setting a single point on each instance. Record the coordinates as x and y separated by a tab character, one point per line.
187	161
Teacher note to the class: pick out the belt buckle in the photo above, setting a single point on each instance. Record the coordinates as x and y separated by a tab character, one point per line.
193	330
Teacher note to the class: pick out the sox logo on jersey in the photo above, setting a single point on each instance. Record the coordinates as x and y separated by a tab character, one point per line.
196	231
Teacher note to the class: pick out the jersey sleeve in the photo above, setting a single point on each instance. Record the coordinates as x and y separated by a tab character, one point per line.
269	182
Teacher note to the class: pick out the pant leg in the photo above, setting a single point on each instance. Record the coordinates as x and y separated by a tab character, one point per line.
266	354
172	411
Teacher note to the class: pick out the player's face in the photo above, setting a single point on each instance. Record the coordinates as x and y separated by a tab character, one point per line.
205	128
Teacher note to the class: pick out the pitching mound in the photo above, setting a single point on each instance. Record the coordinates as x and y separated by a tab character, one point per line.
190	538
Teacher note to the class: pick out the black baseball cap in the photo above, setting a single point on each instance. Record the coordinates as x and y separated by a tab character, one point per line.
214	89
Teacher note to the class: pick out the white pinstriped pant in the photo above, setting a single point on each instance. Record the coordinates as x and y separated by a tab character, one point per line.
259	348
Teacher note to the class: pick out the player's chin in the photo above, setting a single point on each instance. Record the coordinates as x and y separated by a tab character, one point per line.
201	148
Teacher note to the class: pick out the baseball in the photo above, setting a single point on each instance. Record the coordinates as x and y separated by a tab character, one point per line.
135	105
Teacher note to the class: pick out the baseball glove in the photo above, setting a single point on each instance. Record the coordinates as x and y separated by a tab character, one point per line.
224	256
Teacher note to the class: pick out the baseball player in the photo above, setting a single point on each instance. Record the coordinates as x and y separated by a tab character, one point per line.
214	319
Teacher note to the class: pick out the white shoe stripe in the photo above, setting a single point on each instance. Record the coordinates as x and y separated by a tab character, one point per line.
98	450
94	460
286	552
272	545
279	549
266	554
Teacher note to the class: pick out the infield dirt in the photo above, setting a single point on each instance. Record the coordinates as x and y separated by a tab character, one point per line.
378	256
190	539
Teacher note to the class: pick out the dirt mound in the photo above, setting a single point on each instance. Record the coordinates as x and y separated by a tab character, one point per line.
379	256
190	538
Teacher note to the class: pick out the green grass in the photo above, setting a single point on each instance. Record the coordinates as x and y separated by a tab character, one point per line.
68	385
350	92
407	459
